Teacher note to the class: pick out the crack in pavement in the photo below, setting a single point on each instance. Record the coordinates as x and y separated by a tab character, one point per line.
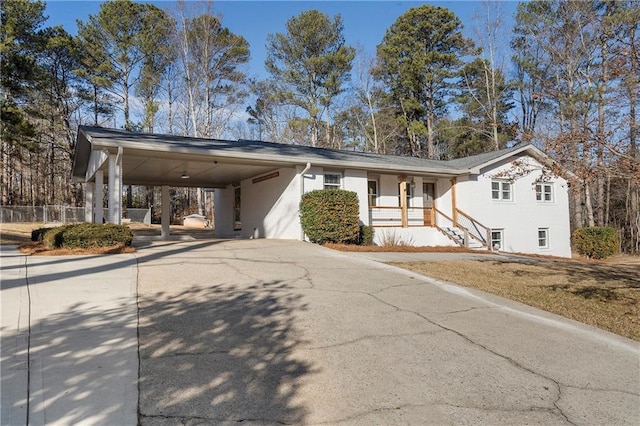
601	390
366	413
460	311
372	337
485	348
555	404
533	408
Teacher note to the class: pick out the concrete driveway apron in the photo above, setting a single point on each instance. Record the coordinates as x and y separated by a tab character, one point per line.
284	332
68	339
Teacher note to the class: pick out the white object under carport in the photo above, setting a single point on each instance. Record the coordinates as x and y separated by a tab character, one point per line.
195	221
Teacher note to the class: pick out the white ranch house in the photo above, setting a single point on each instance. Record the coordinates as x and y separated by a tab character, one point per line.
504	200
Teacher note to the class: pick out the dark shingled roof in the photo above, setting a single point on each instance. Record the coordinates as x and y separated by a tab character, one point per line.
480	159
285	153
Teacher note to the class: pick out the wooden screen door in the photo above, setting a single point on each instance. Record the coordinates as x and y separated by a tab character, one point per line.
428	192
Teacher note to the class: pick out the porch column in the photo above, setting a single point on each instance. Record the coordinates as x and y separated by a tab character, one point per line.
99	196
115	190
166	212
403	201
454	206
88	202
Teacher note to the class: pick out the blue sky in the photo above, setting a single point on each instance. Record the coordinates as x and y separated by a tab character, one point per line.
365	22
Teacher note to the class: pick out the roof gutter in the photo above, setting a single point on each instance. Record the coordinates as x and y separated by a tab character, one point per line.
305	170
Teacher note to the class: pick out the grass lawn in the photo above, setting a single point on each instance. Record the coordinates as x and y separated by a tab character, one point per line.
17	233
605	294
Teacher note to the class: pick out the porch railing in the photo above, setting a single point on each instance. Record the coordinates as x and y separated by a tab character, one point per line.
463	230
445	224
476	229
387	216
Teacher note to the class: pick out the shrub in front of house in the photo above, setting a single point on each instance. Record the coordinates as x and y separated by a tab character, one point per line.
84	235
598	242
330	216
38	234
366	235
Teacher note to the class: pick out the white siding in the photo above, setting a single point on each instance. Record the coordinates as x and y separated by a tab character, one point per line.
356	180
270	207
388	191
313	179
443	196
521	217
423	236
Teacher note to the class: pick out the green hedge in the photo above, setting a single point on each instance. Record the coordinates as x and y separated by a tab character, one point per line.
330	216
597	242
366	235
83	235
38	234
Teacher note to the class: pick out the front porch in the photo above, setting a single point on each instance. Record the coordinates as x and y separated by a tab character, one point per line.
421	210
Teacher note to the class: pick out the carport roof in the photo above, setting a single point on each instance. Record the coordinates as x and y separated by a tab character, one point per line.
155	159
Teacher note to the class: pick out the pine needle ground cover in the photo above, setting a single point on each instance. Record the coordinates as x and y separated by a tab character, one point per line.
602	294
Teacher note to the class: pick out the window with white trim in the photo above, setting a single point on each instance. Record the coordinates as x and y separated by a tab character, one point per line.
332	181
497	239
372	190
543	237
501	190
544	192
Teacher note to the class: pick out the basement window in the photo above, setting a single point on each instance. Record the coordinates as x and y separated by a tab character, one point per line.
543	237
497	239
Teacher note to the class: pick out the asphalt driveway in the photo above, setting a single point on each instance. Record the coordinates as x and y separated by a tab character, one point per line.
284	332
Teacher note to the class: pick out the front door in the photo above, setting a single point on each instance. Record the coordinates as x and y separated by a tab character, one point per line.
428	192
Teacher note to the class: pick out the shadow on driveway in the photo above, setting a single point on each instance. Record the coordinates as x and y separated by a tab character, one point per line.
220	354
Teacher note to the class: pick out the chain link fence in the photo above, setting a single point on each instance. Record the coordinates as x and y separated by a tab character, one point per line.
63	214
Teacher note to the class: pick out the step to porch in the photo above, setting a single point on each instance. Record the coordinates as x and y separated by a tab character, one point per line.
457	235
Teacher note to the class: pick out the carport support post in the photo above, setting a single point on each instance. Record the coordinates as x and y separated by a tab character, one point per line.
88	202
115	190
99	197
166	210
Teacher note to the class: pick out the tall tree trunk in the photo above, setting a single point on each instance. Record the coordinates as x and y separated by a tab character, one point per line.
125	93
52	182
431	152
95	105
4	175
634	181
600	135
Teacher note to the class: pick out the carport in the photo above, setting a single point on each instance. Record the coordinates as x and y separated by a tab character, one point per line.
117	158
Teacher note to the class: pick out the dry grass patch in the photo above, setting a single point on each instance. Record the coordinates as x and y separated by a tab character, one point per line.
602	294
17	233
